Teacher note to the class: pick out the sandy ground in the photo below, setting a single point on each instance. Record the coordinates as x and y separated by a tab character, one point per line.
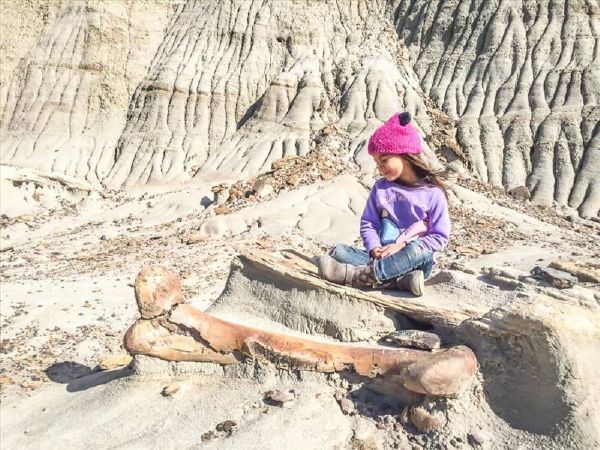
68	265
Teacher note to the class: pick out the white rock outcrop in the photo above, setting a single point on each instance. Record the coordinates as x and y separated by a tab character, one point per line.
68	73
522	79
155	92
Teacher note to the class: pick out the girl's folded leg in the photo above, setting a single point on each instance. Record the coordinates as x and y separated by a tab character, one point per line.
347	254
414	256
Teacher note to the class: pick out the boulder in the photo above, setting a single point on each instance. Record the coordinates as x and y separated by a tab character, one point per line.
520	193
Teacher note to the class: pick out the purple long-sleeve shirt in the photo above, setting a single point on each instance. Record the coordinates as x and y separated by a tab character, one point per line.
406	205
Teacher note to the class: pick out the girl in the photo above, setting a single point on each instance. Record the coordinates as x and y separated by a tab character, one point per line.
404	222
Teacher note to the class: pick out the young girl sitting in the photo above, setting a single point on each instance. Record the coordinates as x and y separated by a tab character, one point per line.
404	222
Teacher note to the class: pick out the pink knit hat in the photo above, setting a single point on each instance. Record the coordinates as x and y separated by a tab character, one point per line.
395	137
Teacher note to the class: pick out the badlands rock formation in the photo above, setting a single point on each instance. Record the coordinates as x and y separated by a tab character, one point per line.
522	79
132	93
533	358
138	96
227	87
69	70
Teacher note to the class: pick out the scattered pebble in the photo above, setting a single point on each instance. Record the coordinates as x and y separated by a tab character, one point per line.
195	238
425	420
171	390
208	436
6	380
389	419
227	427
414	338
477	438
114	361
32	384
347	406
280	397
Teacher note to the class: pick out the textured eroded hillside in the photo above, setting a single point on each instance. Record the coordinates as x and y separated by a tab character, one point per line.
523	80
71	70
153	92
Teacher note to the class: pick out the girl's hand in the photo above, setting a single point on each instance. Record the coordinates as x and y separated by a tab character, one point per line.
376	253
389	250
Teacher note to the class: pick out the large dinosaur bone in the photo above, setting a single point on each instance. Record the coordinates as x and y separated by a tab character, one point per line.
180	332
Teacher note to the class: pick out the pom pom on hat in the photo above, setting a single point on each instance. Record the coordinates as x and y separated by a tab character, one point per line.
396	136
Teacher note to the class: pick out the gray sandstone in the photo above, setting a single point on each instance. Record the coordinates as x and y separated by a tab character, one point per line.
414	338
555	277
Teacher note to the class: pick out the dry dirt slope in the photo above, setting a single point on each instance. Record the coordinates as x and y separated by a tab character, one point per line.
132	93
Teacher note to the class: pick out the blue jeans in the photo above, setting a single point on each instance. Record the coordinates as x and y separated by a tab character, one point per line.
412	257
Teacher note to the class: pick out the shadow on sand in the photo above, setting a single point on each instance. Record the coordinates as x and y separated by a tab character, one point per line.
79	377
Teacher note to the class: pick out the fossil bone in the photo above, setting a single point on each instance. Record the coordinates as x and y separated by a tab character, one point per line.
185	333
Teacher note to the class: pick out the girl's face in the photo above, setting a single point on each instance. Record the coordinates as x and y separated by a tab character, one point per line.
390	166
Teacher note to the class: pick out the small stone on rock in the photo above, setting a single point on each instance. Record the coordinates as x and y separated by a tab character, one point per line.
33	384
208	436
195	238
389	419
280	397
6	380
477	438
556	278
114	361
226	427
171	390
414	338
263	188
347	407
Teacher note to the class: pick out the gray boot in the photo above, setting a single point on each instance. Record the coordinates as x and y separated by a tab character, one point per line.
355	276
332	270
413	282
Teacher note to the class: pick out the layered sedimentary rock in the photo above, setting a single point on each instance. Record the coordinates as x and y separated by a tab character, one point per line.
222	89
522	78
64	100
243	83
134	93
